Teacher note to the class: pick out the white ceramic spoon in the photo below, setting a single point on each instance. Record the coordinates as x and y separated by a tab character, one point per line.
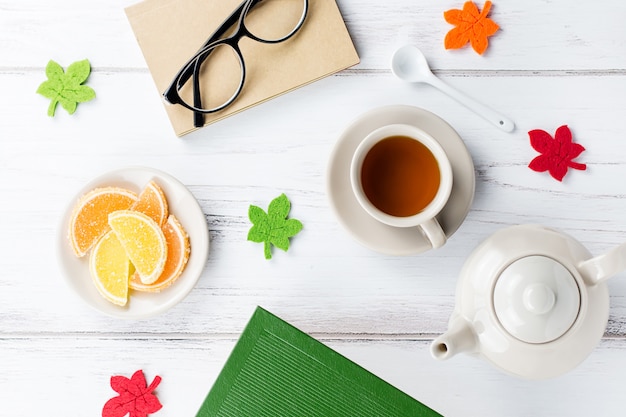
409	64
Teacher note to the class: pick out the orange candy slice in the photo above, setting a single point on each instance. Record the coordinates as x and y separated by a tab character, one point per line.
143	240
178	250
89	219
110	269
152	202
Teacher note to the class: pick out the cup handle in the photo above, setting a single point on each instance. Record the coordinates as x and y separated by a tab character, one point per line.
434	233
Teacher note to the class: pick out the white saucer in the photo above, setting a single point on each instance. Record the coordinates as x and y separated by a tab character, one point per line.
368	231
140	304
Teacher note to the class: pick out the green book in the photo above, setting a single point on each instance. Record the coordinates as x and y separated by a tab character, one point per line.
275	370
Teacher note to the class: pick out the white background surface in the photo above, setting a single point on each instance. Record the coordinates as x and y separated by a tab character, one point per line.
553	62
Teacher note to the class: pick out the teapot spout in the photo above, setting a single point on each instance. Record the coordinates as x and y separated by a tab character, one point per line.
460	337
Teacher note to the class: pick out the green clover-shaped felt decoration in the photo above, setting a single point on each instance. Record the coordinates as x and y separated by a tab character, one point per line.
273	227
66	87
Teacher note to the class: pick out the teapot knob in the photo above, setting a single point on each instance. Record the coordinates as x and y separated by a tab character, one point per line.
538	298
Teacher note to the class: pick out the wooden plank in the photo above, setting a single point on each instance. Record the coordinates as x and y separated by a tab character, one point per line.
535	34
81	367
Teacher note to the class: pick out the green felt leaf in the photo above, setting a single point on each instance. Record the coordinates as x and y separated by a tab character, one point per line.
47	89
256	214
80	94
68	105
281	242
54	71
273	227
256	234
279	206
79	71
292	227
66	87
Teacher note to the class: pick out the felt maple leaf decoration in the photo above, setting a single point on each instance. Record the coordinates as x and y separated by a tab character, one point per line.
471	26
556	154
273	227
135	398
66	87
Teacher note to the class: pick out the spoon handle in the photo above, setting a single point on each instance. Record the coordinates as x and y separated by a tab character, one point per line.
497	119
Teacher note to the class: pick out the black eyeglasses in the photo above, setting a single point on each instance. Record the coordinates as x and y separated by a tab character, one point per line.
266	21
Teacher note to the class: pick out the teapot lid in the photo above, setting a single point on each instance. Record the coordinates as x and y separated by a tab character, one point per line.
536	299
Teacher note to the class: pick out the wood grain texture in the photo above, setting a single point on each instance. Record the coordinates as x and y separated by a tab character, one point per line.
552	63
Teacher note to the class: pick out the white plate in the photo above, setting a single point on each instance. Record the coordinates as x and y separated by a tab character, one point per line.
140	304
364	228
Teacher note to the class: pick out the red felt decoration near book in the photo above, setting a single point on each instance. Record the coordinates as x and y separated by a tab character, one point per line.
471	26
135	398
556	154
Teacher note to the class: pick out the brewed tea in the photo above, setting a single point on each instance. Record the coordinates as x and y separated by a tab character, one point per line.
400	176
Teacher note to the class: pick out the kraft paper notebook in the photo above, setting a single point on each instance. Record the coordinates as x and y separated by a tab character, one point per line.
275	370
170	32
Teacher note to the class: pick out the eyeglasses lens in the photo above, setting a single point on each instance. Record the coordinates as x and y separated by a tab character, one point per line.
224	70
275	20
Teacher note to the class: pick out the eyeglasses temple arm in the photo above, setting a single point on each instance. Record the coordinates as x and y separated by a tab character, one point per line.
198	117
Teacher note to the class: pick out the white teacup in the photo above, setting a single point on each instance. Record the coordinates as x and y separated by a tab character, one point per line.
402	177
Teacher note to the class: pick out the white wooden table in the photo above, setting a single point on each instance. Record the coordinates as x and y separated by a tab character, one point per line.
552	63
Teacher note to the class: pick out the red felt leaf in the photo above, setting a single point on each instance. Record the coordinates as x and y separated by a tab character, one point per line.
135	398
556	154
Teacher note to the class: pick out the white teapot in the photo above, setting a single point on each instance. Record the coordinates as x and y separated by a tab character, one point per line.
532	301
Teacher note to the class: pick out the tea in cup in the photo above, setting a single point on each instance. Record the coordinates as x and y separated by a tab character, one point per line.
402	177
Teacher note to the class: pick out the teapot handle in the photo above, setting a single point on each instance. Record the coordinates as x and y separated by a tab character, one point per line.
598	269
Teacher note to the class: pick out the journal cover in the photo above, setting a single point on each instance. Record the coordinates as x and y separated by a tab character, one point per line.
275	370
170	32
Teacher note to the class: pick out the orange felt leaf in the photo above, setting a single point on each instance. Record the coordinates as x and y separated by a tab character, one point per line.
471	26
